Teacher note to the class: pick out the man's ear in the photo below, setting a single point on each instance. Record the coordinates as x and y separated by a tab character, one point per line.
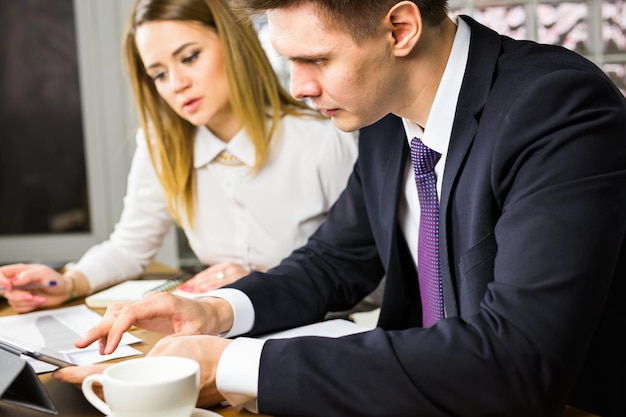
406	19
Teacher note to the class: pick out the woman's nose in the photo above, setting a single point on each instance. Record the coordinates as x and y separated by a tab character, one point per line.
178	81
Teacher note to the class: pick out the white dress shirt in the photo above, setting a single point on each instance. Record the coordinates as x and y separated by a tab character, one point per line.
253	220
239	384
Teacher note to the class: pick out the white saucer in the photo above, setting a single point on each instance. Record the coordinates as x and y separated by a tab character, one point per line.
198	412
201	412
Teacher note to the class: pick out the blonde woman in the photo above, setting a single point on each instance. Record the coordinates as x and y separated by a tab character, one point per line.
223	151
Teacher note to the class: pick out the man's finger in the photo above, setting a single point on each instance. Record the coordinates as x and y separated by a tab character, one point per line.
76	374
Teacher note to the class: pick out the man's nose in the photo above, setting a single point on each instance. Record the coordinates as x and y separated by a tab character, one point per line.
302	84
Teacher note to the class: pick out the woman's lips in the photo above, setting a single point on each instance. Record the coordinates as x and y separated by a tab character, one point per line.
192	105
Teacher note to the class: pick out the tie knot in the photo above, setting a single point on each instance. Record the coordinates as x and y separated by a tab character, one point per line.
424	158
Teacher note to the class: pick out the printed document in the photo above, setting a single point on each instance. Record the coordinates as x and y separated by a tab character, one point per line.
57	329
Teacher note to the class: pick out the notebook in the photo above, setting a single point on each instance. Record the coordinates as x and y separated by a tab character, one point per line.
133	290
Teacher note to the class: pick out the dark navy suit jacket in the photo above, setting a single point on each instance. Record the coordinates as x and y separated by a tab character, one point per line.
532	242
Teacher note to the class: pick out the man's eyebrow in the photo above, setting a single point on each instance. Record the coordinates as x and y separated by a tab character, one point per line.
177	51
301	59
304	58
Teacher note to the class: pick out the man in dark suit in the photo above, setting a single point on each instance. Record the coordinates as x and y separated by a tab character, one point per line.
532	224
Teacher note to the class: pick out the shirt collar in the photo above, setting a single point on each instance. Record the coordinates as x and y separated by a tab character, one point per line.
207	146
436	134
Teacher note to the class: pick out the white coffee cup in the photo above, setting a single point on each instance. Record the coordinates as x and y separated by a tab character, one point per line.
155	386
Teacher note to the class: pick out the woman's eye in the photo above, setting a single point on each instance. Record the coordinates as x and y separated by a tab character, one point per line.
191	58
158	76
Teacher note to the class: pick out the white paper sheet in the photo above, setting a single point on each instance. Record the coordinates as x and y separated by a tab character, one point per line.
57	329
328	328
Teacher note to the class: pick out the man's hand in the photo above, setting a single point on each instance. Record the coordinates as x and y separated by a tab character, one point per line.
207	351
76	374
162	313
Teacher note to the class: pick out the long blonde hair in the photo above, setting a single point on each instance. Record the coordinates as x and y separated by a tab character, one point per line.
255	95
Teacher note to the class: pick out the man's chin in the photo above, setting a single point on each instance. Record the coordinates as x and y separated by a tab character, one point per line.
346	124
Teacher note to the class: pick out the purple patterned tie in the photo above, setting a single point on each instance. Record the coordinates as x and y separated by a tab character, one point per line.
428	269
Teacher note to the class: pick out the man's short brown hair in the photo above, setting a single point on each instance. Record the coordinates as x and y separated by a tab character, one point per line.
361	18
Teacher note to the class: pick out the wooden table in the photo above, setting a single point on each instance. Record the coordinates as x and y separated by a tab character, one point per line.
69	399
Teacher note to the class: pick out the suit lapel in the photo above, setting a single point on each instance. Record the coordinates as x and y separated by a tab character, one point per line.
396	149
401	301
483	55
391	190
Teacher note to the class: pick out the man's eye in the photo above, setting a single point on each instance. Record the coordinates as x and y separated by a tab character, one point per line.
191	58
309	61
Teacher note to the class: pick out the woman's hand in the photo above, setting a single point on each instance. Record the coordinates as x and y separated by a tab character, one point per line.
41	286
214	277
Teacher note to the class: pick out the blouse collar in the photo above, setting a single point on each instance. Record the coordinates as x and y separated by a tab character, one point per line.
207	146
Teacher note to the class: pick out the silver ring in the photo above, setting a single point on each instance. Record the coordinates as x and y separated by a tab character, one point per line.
220	275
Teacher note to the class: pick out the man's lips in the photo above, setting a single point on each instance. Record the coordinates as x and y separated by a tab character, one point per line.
329	112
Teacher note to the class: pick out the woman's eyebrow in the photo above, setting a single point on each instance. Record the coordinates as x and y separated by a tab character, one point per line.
177	51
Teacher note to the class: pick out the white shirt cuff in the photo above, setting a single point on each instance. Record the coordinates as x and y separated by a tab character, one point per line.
243	311
237	374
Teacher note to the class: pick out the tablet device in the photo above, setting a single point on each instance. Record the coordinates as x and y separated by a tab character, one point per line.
19	385
40	353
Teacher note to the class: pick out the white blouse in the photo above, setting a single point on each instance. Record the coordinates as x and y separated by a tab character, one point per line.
252	220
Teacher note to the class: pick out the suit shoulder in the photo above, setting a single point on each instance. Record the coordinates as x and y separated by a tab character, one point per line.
388	124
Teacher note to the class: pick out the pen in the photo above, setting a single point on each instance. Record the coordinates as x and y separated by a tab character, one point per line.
40	353
29	286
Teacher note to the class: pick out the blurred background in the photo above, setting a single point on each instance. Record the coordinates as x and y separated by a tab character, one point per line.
67	119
